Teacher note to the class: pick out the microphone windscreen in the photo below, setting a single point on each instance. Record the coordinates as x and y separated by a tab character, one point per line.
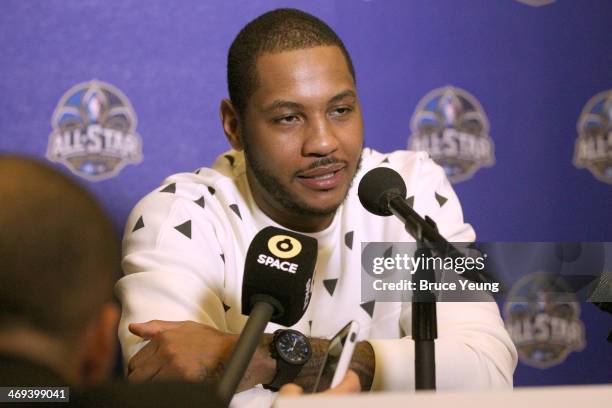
376	185
280	264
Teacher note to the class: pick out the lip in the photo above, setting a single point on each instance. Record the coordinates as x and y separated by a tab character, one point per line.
323	184
321	170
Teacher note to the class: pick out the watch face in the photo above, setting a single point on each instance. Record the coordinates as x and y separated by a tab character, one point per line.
293	347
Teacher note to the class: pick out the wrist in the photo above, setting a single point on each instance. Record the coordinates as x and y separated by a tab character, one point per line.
262	368
291	350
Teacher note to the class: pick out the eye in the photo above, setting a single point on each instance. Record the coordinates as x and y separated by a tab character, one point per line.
287	120
340	111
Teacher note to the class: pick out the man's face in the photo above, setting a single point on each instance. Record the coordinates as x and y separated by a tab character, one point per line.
302	133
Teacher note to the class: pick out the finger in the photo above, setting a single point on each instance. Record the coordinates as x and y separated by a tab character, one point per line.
173	371
143	355
167	374
291	389
149	329
146	371
350	384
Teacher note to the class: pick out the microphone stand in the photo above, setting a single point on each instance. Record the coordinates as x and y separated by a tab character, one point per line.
424	324
384	194
424	318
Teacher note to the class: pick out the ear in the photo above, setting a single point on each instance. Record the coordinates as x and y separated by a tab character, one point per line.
99	346
231	124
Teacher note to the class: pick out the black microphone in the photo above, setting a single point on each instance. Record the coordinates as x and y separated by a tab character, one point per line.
382	191
378	187
276	287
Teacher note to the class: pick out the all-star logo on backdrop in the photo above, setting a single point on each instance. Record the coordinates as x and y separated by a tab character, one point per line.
593	149
542	316
453	128
94	131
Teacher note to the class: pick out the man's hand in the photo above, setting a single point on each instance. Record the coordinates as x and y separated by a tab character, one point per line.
180	350
362	364
349	385
195	352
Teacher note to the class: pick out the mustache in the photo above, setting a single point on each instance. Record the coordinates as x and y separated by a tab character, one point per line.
324	161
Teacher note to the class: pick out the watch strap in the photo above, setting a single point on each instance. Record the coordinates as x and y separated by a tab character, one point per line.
285	372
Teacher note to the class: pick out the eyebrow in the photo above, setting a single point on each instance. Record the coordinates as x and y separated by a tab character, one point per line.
284	104
342	95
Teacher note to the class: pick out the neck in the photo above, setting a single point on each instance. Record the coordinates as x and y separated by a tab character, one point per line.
39	348
308	223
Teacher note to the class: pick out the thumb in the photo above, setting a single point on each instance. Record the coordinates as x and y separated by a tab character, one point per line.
290	389
350	384
149	329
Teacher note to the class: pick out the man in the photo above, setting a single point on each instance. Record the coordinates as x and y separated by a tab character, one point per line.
295	125
58	320
59	259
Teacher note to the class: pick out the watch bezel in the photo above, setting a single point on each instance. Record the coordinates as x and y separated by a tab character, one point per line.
281	354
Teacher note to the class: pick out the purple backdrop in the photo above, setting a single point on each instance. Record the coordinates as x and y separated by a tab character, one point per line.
532	69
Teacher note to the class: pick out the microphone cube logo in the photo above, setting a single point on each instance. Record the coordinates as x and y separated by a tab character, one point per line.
593	149
94	131
284	246
451	125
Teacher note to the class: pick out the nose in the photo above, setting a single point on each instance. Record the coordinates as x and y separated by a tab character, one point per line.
320	139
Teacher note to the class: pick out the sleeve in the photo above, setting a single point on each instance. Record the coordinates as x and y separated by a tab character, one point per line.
473	349
172	267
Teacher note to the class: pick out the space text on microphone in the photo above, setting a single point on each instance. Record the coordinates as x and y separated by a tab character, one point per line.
277	263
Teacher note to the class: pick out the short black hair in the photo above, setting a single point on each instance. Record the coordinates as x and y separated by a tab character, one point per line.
273	32
59	252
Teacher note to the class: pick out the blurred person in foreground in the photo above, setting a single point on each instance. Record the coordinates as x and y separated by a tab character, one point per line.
59	258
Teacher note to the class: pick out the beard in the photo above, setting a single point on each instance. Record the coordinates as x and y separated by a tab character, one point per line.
282	195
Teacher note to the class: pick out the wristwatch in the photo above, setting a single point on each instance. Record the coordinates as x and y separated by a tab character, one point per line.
291	350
